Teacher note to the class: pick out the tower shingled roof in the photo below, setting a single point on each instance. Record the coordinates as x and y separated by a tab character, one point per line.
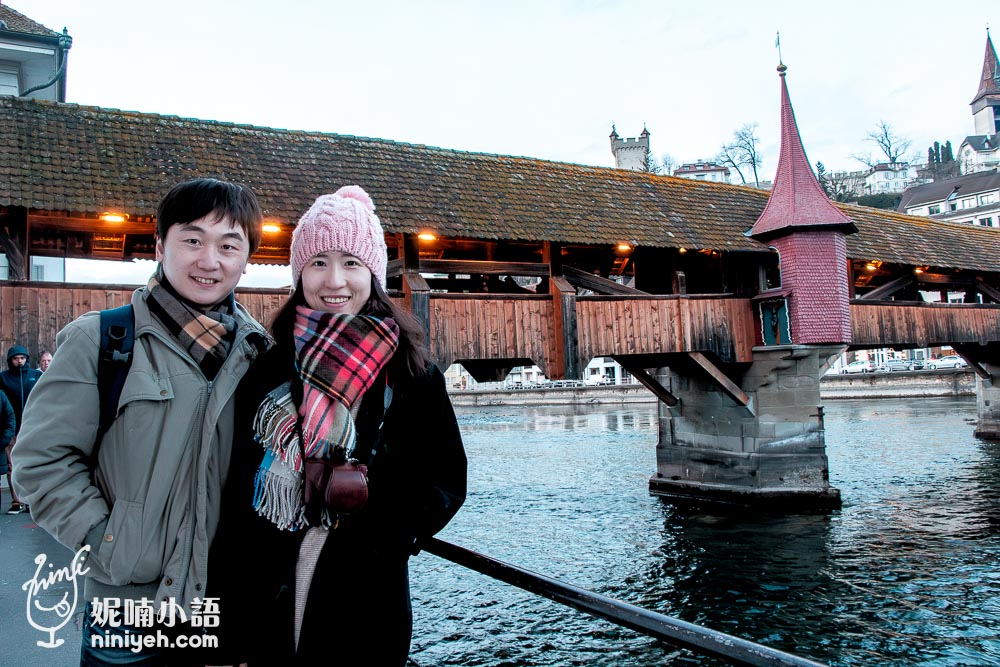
990	82
797	199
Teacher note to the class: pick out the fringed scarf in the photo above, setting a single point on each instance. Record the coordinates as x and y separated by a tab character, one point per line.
338	358
207	336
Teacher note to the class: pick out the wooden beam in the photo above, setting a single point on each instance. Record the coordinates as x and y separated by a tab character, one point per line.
721	379
566	354
945	279
973	357
410	252
14	244
648	381
552	255
417	295
889	288
596	283
987	290
483	267
678	283
394	268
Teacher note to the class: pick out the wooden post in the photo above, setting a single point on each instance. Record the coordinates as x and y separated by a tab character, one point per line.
409	251
416	292
680	283
566	353
14	243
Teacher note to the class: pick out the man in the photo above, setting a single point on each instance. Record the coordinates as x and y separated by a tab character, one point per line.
145	500
16	383
44	359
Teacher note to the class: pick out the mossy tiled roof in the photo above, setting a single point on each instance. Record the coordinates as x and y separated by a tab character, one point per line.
65	157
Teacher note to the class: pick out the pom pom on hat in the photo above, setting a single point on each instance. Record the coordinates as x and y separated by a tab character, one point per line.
357	193
344	221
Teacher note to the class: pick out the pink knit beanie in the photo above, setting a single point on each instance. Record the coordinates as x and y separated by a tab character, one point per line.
343	221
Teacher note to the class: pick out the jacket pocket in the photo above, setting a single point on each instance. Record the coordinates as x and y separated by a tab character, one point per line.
145	387
121	542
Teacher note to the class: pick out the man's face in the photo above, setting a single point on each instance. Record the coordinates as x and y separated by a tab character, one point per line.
44	361
204	259
19	360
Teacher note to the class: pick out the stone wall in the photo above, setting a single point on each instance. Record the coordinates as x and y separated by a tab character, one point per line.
945	382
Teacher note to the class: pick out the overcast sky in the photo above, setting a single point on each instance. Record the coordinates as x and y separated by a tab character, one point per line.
543	79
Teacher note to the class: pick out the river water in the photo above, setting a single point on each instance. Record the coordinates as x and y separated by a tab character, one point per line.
905	574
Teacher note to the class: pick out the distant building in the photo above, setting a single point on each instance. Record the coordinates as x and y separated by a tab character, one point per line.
972	199
32	58
847	185
889	177
980	151
631	154
703	170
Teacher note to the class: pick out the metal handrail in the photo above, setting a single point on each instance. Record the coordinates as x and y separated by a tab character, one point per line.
701	640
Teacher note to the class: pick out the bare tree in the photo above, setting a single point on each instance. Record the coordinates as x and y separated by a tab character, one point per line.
728	157
668	163
893	146
743	152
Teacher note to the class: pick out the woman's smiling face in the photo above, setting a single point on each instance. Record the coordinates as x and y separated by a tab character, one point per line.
336	282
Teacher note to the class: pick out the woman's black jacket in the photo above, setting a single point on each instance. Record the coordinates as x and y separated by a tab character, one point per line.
358	610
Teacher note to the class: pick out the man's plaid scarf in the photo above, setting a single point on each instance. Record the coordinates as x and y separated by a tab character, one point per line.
207	336
338	358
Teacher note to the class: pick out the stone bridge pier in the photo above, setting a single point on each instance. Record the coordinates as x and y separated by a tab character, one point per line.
769	452
988	398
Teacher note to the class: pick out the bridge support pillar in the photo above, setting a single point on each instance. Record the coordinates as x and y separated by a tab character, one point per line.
988	399
770	453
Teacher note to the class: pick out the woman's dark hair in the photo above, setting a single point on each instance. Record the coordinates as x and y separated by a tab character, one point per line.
193	200
410	358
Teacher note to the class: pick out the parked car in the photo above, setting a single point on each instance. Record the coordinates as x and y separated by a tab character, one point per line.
891	365
948	361
858	366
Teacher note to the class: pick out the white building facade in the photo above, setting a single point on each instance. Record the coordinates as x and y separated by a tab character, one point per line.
32	58
703	170
888	178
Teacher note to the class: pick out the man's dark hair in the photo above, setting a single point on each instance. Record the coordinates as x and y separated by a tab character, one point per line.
192	200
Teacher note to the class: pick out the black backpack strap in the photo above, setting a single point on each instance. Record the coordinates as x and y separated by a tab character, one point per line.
113	362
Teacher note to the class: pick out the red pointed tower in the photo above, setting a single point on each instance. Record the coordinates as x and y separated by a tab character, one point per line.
986	105
808	232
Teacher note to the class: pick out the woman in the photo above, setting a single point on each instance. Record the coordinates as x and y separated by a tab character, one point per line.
348	375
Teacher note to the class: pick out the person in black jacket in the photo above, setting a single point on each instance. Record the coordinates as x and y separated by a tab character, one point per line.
301	581
16	384
8	422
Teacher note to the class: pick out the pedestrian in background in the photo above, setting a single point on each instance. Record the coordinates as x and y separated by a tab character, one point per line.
8	424
16	383
44	359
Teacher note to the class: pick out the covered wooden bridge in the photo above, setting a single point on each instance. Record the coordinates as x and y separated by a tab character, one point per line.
507	260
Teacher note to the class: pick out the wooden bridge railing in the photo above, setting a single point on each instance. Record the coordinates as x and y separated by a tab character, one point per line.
524	327
629	325
490	326
460	326
32	313
890	323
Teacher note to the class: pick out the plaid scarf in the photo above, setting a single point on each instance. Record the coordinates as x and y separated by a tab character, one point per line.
207	336
338	358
